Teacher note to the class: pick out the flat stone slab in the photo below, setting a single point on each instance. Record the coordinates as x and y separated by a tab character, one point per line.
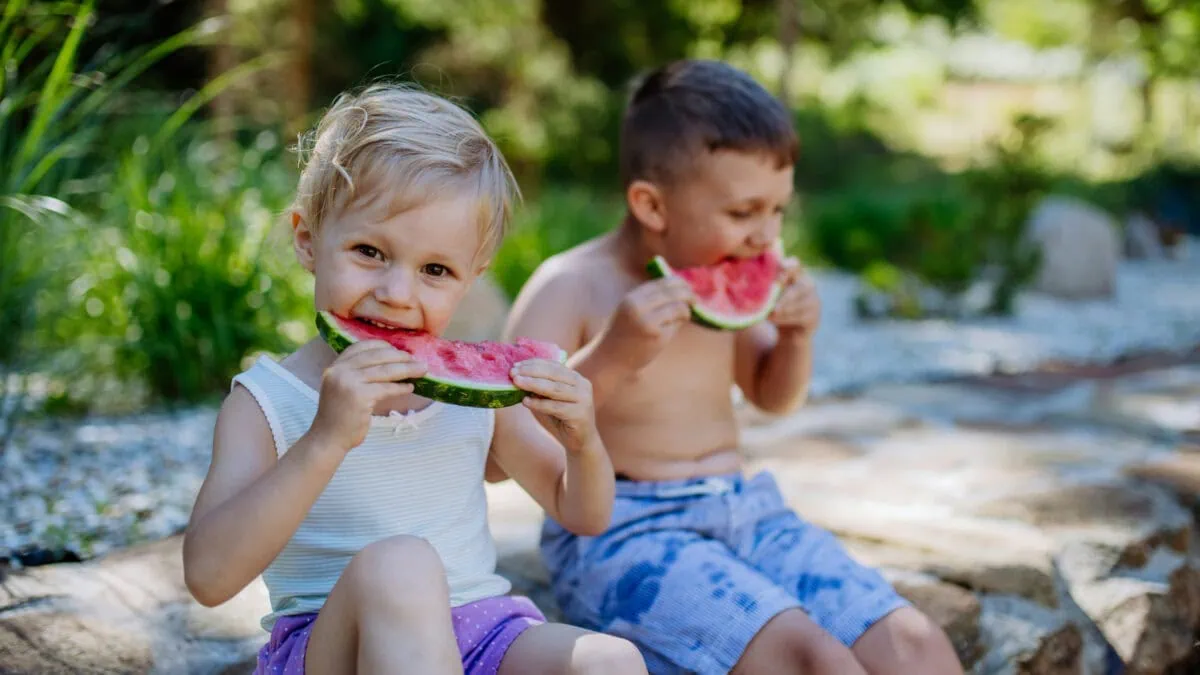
1031	522
126	613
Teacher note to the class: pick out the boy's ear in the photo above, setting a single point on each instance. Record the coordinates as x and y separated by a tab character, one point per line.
645	200
302	241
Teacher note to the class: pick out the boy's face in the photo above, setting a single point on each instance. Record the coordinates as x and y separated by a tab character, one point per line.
408	270
729	203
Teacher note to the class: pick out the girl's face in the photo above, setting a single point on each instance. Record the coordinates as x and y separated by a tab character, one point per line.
408	271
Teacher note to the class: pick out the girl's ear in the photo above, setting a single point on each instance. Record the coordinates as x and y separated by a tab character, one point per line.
302	241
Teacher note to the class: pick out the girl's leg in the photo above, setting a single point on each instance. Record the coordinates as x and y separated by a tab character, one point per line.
560	649
389	613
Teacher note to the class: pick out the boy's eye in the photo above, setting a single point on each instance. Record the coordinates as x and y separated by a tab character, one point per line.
369	251
740	215
436	270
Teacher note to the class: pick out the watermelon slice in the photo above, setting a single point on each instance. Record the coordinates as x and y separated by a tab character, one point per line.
732	294
474	374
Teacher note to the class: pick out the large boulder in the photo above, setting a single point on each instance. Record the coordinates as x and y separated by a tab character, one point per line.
1080	247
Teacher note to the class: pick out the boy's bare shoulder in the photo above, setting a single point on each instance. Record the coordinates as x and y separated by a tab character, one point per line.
561	291
563	276
581	264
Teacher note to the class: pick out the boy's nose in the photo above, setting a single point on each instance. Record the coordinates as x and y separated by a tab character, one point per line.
766	235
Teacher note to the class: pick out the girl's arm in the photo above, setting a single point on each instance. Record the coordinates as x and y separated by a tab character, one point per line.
550	446
250	503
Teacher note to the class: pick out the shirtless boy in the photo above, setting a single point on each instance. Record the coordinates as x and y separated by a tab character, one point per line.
704	568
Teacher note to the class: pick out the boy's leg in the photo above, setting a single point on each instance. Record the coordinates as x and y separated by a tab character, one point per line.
559	649
852	602
663	578
907	641
388	613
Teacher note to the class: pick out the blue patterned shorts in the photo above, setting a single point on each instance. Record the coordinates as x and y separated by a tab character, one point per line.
691	570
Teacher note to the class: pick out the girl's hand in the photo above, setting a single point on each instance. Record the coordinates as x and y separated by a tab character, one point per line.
352	385
561	401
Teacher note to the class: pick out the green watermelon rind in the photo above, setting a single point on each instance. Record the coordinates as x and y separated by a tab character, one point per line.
658	268
443	389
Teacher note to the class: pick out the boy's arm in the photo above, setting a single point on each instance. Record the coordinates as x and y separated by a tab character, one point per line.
543	310
575	487
551	307
250	502
773	366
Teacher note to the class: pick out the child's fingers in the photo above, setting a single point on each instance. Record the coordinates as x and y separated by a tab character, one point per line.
382	390
676	312
373	353
393	371
547	388
674	289
551	370
547	406
790	270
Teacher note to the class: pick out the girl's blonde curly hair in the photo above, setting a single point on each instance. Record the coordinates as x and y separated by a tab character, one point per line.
396	147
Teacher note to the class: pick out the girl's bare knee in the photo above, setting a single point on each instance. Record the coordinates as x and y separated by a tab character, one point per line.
398	572
600	654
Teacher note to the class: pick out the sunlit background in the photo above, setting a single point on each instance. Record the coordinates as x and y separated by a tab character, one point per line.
985	187
147	147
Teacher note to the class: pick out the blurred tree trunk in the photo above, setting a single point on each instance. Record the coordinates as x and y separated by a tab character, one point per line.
788	29
221	58
298	78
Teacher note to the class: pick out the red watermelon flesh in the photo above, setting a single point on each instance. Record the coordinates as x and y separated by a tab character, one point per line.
484	362
734	285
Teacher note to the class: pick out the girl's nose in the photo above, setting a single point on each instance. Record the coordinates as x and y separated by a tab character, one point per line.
396	288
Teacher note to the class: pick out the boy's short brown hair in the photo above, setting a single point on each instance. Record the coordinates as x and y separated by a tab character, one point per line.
692	106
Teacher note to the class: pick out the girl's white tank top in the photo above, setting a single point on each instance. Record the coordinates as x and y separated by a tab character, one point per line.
418	474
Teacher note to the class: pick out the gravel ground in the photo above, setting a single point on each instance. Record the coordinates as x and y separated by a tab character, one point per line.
96	485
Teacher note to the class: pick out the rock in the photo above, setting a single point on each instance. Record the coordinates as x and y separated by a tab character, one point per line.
1148	611
1080	248
1142	240
126	613
482	313
1024	638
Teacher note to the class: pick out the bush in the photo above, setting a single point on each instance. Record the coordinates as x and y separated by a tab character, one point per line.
53	123
559	219
940	234
186	279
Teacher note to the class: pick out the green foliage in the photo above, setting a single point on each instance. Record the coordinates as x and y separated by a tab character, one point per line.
943	233
187	278
559	219
53	115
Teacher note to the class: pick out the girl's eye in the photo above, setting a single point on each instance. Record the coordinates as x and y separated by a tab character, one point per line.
436	270
740	215
369	251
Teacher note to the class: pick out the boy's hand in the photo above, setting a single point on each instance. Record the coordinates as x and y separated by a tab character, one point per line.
647	318
561	401
799	307
351	386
